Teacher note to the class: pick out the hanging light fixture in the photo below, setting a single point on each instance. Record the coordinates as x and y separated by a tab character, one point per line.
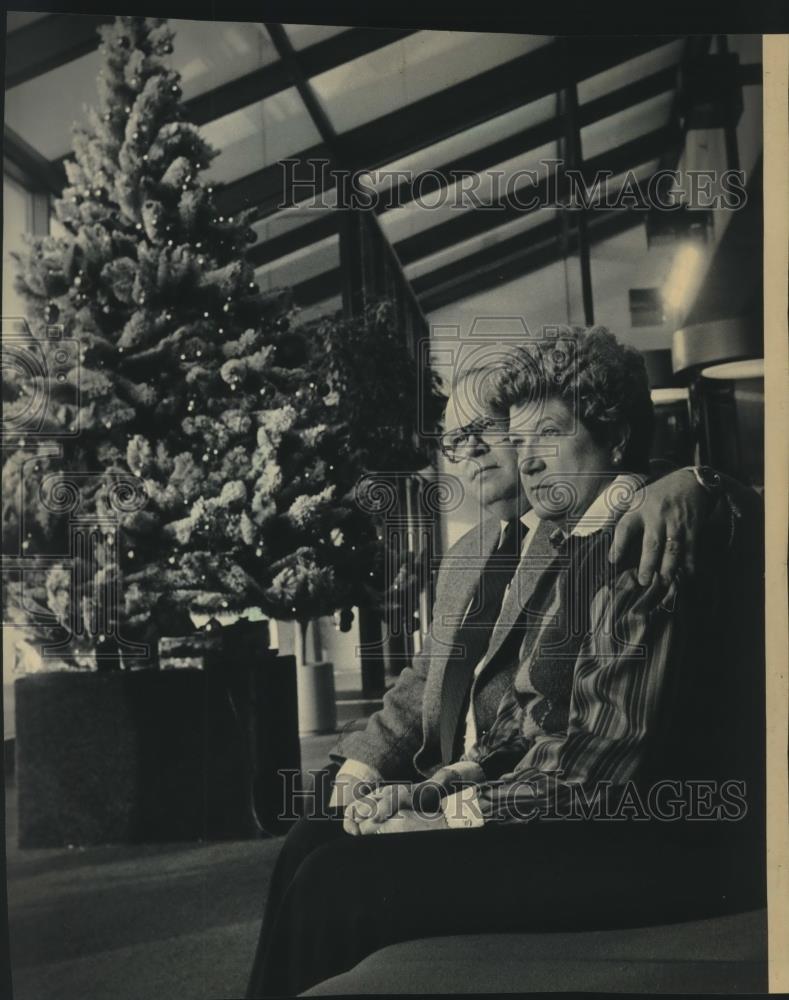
725	348
748	368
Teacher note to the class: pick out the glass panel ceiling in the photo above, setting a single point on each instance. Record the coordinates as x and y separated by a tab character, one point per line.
303	35
413	218
467	247
300	265
625	126
285	222
207	53
641	173
210	53
259	135
414	67
538	296
630	72
617	264
476	138
43	109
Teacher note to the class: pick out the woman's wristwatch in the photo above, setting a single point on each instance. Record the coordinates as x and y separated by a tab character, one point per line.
708	479
712	484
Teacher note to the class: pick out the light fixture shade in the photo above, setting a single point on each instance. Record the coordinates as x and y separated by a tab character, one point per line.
660	397
722	340
749	368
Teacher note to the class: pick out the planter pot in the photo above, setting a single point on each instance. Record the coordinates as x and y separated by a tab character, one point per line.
317	705
156	755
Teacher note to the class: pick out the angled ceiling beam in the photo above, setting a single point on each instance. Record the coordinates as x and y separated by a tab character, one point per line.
486	95
273	78
29	166
439	116
318	289
349	255
274	247
48	43
475	222
488	259
348	250
299	79
513	259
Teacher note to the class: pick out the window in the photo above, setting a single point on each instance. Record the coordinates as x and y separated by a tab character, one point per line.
17	220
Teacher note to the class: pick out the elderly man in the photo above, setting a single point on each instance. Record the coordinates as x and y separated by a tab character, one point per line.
333	897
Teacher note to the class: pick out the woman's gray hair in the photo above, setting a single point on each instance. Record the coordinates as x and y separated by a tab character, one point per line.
603	382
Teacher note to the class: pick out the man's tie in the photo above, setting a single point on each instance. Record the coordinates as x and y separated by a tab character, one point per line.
475	633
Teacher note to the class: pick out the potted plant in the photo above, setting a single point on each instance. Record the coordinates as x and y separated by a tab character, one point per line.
183	444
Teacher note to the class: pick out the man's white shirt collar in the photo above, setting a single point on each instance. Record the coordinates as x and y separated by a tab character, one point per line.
529	520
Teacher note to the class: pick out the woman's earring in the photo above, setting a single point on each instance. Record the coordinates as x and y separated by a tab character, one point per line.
616	458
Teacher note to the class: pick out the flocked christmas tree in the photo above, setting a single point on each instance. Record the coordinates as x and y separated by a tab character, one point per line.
245	431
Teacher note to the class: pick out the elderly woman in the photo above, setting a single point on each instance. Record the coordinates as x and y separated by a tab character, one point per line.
624	700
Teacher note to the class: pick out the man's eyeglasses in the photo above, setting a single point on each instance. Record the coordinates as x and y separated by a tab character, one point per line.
493	429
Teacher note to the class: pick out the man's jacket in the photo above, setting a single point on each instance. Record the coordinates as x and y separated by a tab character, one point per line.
403	740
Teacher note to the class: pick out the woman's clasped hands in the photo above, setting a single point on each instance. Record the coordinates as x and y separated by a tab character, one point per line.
389	808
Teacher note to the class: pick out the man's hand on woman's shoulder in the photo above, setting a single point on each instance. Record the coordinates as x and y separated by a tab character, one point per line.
665	518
